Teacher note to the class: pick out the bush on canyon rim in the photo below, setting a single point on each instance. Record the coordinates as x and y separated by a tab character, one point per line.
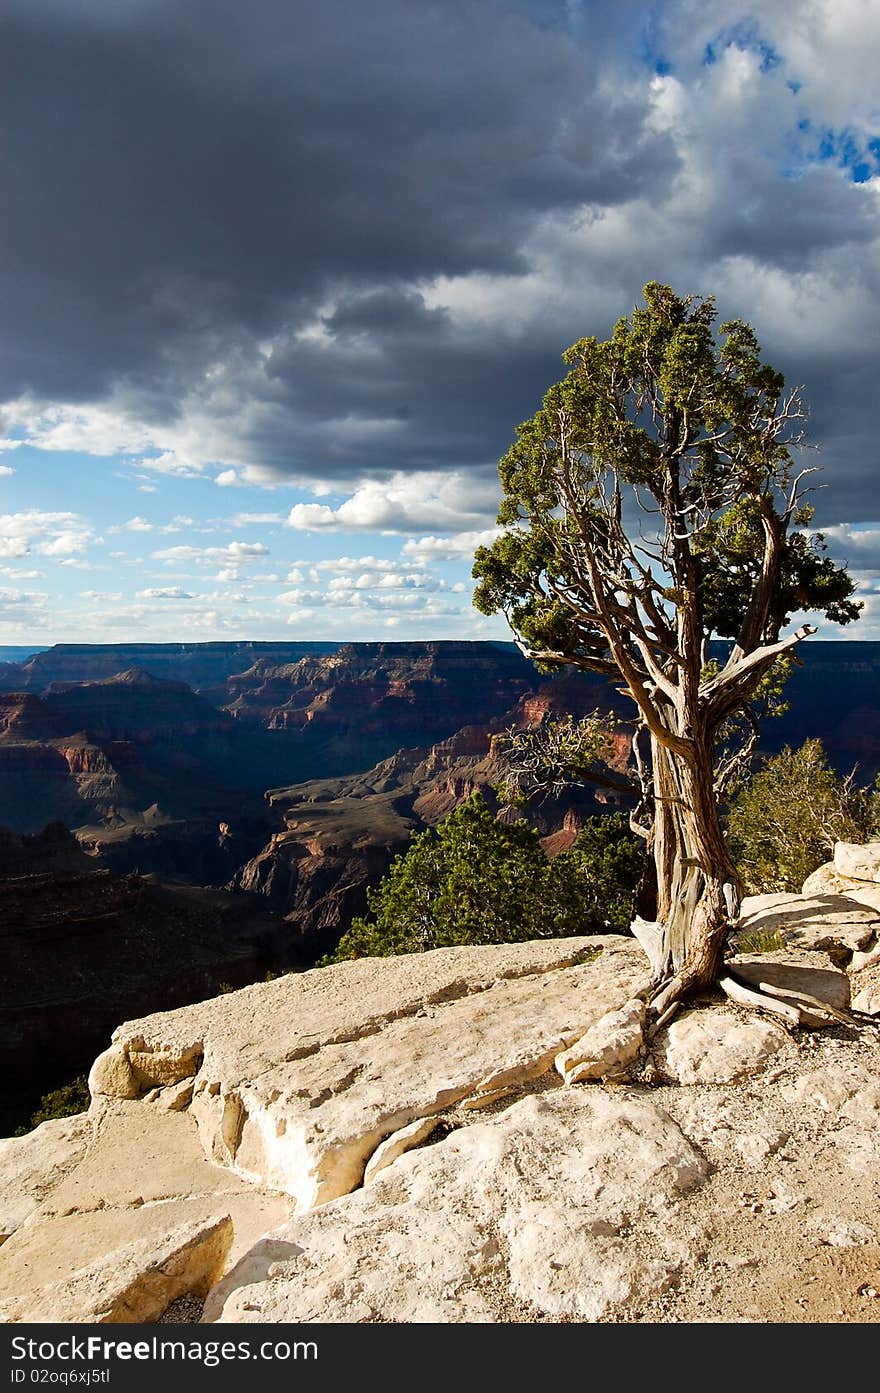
784	822
474	879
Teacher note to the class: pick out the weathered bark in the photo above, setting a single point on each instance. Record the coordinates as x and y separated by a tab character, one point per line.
697	885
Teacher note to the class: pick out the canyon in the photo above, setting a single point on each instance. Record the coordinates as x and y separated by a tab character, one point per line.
260	789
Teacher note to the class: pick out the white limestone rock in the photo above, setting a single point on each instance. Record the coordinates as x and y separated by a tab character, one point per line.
141	1176
580	1204
827	880
840	1232
868	999
112	1076
33	1165
794	972
132	1283
400	1141
831	923
827	1089
757	1147
539	1203
246	1031
715	1046
857	862
302	1078
607	1047
863	1107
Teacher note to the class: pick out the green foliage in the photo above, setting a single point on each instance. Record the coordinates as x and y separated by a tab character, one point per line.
65	1101
474	879
698	432
783	823
605	865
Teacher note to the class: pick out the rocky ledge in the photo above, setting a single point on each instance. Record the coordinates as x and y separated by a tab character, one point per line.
473	1135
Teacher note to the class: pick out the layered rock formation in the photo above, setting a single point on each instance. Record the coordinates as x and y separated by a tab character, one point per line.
347	710
105	750
202	666
341	834
406	1140
833	692
113	748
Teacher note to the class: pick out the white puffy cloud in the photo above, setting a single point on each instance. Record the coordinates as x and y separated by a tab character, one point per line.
228	559
407	603
164	592
49	534
345	565
383	580
827	48
406	503
460	547
858	547
13	546
19	607
235	553
88	428
169	462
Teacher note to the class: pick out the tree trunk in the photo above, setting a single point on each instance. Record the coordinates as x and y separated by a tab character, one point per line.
697	885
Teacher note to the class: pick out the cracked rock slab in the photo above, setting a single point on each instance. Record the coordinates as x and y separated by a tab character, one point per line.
242	1034
536	1205
397	1144
857	862
608	1046
794	972
134	1282
296	1094
827	880
140	1175
33	1165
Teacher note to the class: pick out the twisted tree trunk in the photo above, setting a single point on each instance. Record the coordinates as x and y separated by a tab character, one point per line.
698	888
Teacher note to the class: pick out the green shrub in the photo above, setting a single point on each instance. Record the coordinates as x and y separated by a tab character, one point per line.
607	860
784	822
65	1101
474	879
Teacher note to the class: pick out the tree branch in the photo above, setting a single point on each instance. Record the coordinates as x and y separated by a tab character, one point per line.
731	681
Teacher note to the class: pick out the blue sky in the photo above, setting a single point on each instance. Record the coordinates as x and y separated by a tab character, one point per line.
280	283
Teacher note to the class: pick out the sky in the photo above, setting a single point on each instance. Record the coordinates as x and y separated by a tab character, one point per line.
280	280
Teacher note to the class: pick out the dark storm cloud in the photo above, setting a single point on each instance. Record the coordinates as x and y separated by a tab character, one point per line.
387	357
178	176
229	216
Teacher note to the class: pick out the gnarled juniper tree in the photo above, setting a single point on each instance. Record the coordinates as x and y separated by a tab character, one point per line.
650	506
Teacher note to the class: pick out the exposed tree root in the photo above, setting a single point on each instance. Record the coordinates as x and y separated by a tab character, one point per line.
756	1001
794	1009
653	1027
